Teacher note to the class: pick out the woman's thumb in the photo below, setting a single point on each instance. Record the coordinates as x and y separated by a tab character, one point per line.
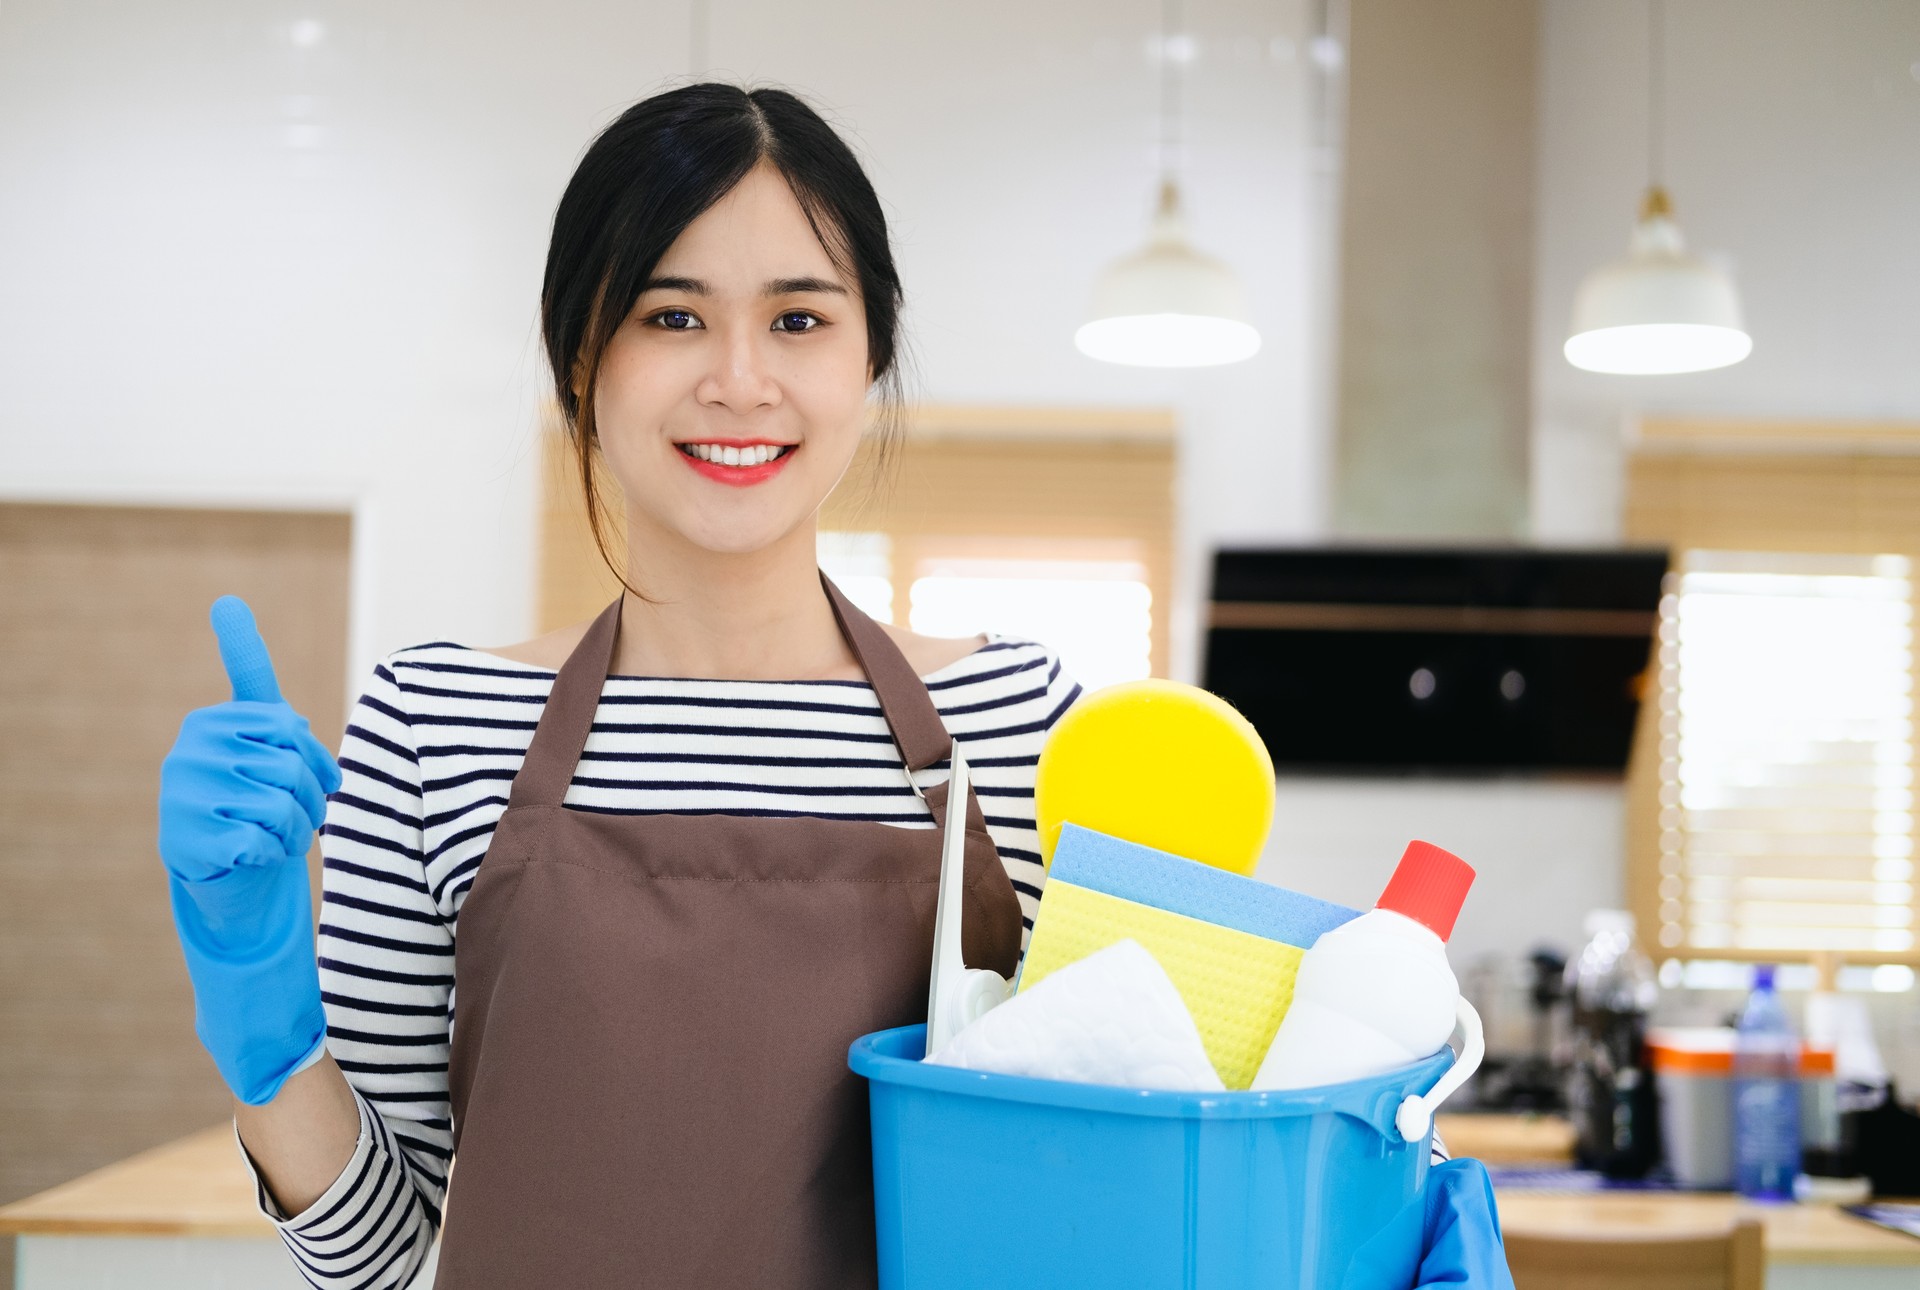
249	669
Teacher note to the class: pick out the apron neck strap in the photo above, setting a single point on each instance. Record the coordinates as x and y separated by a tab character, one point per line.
565	722
911	715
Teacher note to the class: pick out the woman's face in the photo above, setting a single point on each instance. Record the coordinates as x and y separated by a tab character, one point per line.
747	345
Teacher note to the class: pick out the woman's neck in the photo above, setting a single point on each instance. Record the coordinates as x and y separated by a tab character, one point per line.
757	616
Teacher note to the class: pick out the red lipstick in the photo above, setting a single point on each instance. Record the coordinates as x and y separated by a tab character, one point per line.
737	476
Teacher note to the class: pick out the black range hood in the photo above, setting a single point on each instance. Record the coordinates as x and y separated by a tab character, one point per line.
1376	660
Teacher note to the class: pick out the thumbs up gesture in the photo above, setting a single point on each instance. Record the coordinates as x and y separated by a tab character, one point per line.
241	794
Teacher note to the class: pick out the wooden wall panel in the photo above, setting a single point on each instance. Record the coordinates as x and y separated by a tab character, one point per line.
575	582
104	647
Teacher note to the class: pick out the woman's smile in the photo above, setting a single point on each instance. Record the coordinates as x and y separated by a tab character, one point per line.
739	462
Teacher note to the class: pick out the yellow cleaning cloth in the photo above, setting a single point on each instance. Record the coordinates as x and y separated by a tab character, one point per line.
1236	985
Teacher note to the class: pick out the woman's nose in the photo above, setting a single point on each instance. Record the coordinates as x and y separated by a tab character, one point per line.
739	377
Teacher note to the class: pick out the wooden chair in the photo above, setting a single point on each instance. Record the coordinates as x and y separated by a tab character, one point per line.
1735	1261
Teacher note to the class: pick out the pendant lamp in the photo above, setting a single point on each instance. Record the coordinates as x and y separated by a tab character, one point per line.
1659	310
1168	305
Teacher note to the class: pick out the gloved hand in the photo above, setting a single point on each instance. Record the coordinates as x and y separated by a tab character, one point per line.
241	793
1462	1246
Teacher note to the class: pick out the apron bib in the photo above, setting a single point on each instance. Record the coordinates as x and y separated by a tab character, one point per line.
648	1067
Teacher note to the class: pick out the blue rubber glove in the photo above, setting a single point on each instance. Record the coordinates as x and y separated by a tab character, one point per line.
1462	1245
241	793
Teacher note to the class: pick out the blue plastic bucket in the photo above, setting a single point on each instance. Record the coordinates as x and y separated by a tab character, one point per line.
984	1180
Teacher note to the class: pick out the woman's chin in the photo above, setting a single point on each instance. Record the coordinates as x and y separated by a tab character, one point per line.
738	535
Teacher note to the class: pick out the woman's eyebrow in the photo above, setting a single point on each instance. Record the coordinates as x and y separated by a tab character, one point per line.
774	287
802	286
692	286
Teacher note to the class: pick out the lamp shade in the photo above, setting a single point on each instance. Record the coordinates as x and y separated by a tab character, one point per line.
1658	311
1167	305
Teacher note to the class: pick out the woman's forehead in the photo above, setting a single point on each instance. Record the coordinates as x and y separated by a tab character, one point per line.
757	233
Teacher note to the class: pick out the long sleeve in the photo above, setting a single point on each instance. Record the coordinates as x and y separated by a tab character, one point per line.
386	974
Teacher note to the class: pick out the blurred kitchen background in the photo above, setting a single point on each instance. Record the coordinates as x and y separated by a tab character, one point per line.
268	276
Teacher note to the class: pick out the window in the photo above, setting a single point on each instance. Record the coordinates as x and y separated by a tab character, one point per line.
861	565
1786	754
1050	524
1770	795
1096	614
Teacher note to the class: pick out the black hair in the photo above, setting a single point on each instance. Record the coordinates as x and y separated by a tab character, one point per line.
649	175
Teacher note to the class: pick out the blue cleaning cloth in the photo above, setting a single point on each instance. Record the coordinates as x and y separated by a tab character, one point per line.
1181	886
1462	1244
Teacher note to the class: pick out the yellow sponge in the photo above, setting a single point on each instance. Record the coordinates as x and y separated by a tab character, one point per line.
1236	985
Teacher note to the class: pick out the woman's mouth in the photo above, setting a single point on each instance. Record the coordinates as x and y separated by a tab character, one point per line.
736	462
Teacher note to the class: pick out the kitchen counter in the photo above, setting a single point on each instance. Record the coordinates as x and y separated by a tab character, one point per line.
1809	1247
183	1215
193	1187
178	1217
1507	1139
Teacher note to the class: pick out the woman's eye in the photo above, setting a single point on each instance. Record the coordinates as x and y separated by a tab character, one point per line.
676	320
795	321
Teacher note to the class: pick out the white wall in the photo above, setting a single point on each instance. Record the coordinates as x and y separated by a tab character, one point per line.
1545	852
240	267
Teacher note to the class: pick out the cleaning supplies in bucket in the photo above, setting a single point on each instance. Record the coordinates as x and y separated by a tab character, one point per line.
1168	978
1373	995
1230	945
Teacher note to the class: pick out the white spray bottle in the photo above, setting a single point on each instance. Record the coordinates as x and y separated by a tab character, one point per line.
1376	993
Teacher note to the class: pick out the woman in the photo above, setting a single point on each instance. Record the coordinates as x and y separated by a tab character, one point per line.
657	985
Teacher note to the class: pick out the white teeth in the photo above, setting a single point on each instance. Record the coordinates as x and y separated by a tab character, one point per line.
754	455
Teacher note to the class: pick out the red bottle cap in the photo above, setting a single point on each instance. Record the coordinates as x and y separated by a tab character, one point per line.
1429	887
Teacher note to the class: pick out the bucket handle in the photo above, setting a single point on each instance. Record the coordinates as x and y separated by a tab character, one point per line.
1415	1115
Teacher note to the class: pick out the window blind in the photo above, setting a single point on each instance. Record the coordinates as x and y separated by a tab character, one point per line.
1786	754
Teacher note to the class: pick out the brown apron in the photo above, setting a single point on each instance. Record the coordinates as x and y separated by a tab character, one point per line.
648	1066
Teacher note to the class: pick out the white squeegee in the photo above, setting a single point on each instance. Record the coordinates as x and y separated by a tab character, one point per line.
957	994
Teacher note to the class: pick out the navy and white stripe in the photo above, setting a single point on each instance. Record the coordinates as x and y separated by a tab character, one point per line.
429	756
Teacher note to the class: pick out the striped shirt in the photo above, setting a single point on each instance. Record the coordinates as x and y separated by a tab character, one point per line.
429	755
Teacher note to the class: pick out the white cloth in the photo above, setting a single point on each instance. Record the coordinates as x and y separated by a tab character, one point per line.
1114	1017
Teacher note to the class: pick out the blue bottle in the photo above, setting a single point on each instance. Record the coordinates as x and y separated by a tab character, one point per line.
1766	1096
